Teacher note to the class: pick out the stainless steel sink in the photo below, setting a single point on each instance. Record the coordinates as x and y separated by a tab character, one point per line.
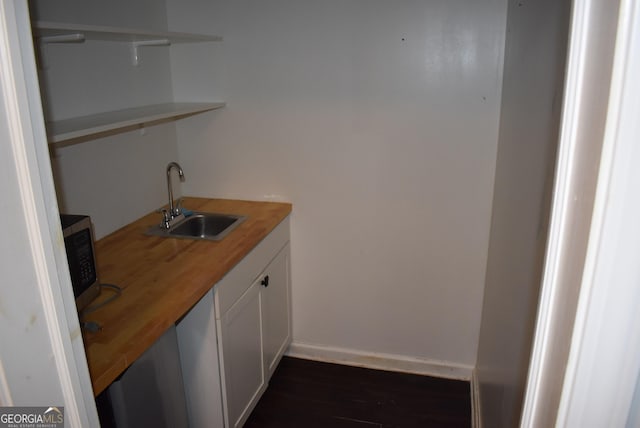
201	225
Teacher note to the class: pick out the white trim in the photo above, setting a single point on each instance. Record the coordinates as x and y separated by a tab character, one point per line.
379	361
561	208
20	138
476	407
604	363
18	142
5	391
586	100
29	152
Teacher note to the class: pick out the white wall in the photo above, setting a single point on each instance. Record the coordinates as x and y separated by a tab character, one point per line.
379	121
146	14
531	98
119	178
116	179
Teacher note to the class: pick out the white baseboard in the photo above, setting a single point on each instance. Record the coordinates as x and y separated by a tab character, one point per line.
396	363
476	419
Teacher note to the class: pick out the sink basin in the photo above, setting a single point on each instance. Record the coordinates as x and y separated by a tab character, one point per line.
200	225
206	226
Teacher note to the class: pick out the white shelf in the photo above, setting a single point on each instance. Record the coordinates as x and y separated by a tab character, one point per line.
78	127
116	34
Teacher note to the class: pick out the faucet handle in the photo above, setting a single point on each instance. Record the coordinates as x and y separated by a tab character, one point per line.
166	218
178	208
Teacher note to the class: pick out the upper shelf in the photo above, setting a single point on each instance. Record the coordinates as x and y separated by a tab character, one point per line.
114	121
78	127
116	34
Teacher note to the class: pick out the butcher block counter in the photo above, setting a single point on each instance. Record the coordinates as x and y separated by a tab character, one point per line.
161	279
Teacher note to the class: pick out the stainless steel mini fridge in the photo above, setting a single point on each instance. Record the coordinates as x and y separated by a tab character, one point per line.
151	393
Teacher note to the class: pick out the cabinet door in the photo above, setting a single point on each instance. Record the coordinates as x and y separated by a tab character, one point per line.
242	359
276	309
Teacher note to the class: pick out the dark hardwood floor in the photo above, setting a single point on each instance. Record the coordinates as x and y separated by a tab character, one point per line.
308	394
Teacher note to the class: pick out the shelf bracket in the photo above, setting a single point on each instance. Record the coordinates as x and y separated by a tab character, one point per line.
41	56
135	54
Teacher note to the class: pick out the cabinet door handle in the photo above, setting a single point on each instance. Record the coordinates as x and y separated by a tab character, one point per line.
265	281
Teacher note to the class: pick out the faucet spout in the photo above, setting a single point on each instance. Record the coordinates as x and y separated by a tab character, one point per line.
173	210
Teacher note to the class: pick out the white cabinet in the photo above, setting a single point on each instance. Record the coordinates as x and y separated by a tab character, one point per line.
255	332
248	318
241	355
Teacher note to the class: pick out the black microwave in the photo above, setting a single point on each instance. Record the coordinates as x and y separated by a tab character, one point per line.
78	242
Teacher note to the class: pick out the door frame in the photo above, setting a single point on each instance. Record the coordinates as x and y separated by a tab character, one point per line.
44	306
600	379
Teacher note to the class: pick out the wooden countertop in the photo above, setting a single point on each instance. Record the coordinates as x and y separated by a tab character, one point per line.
162	278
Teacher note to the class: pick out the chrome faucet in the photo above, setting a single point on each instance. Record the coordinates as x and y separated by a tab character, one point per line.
174	209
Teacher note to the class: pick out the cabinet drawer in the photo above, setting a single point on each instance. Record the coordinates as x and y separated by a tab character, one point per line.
239	279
